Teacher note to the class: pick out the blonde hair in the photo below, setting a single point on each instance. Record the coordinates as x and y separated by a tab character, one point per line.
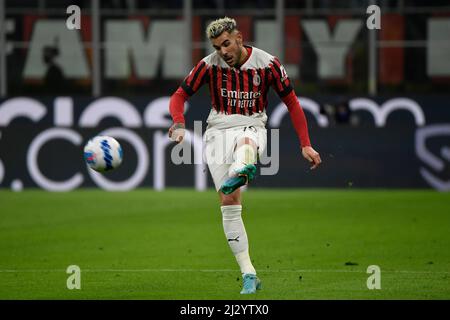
217	27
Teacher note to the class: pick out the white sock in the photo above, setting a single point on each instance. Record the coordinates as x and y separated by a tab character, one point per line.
244	155
237	236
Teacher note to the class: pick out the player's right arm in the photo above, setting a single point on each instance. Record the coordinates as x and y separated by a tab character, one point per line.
196	78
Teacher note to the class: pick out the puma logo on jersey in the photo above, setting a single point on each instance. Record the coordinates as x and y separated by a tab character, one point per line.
234	239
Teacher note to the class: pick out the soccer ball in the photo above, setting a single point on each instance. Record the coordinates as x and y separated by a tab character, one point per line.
103	153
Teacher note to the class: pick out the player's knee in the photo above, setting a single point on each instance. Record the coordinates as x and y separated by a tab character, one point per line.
248	141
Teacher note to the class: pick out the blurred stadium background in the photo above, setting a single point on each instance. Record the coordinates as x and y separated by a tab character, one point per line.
378	109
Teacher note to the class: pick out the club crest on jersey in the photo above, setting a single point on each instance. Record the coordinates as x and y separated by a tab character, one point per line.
256	80
283	74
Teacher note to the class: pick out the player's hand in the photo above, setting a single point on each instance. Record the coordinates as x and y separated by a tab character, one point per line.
312	156
176	132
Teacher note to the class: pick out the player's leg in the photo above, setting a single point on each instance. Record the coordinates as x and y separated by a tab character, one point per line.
236	236
245	154
218	154
243	169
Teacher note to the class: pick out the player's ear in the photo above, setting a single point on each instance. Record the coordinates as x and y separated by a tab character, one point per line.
239	37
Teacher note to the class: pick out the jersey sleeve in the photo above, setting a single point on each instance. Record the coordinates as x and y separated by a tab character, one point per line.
298	118
176	105
280	79
196	78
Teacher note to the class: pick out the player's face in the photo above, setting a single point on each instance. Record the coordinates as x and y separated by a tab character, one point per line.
229	47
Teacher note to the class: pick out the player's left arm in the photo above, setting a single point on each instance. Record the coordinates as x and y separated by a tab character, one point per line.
284	89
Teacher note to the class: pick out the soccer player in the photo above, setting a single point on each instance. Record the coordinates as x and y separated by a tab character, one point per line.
239	77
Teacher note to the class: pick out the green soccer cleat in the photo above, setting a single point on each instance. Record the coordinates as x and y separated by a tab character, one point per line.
244	176
251	284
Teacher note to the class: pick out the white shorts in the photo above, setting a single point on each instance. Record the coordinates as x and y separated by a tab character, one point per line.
221	144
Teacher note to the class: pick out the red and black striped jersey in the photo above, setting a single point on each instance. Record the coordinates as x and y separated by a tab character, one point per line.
239	95
240	90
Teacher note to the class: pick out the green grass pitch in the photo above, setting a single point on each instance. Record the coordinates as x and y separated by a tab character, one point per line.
305	244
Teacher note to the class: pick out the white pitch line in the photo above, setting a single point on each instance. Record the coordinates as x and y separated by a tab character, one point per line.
220	270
